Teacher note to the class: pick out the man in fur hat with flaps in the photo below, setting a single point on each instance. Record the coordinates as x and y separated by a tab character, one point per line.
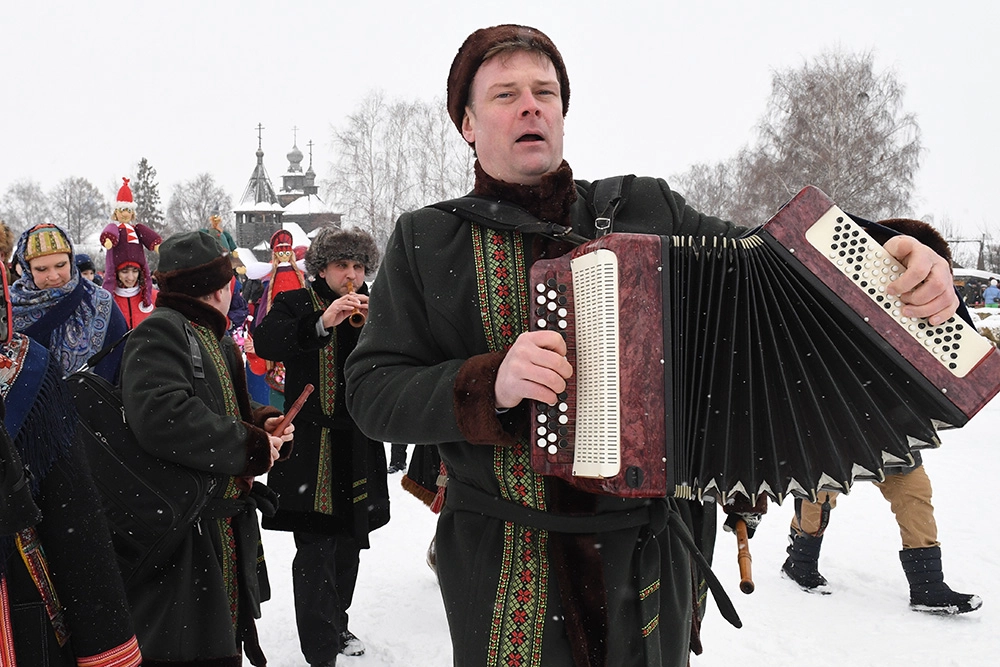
532	570
194	410
333	487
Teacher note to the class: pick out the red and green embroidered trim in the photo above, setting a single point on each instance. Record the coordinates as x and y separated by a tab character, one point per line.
360	487
34	559
211	345
125	655
323	497
230	558
6	628
649	590
651	626
233	490
518	622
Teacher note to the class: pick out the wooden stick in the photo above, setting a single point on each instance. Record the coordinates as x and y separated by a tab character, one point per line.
294	410
744	558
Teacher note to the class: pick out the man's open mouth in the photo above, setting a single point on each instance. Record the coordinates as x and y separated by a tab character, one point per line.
530	137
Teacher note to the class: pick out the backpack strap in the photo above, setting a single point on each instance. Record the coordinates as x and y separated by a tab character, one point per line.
196	360
98	356
605	198
504	216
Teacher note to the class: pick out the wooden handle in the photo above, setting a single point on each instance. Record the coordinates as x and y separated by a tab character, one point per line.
356	318
744	558
294	410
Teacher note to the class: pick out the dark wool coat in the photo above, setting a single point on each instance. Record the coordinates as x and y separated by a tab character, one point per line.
75	540
423	372
356	480
182	612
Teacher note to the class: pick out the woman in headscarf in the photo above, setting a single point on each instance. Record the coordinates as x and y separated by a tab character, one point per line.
52	304
62	601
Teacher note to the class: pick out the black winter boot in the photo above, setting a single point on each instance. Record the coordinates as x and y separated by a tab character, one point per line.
802	564
928	592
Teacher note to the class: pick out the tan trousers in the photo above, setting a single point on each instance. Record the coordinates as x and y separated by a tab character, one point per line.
909	497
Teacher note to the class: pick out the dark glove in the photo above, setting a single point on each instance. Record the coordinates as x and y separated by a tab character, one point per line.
265	498
737	508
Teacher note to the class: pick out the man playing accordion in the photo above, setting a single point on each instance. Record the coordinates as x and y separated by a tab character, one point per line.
532	570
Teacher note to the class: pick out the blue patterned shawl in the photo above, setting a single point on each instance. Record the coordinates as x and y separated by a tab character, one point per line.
82	312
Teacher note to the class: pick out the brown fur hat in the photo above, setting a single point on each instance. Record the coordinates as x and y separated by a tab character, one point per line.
485	43
333	244
193	263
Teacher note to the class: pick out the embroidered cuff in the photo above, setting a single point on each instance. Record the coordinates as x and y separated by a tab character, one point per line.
475	402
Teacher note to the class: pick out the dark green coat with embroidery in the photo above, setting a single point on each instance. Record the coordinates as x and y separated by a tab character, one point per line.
423	372
182	612
332	485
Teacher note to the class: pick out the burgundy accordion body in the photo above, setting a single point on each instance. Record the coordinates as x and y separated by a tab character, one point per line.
772	364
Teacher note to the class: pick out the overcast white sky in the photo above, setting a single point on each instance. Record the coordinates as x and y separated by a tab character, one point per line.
91	87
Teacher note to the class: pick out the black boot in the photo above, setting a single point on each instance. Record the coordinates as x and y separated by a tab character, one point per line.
928	592
802	564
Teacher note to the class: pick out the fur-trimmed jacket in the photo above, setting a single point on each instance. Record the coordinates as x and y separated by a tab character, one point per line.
192	611
446	304
334	480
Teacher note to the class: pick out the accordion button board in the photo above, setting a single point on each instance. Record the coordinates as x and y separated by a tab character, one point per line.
954	344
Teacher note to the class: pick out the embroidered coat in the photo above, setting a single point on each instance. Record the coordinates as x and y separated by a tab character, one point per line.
193	611
72	533
335	478
448	301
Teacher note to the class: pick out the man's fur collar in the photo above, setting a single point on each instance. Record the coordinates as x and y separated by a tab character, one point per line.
549	201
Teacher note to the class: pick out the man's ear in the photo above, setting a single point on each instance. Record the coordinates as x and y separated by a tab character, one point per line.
468	129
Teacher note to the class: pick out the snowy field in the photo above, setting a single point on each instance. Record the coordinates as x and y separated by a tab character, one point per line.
866	621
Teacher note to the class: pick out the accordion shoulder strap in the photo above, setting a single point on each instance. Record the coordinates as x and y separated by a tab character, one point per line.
605	198
504	216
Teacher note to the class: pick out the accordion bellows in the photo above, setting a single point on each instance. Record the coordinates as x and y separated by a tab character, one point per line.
771	364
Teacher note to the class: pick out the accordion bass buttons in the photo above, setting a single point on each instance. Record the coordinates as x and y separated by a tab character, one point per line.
867	264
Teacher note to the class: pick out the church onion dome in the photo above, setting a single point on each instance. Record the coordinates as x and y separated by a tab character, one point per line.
294	160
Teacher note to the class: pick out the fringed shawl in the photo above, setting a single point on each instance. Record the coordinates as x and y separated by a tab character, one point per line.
40	414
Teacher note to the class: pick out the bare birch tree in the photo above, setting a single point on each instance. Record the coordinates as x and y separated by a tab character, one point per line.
78	207
394	156
191	204
24	205
835	123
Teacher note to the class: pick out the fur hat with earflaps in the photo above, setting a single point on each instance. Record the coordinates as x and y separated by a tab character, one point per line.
333	244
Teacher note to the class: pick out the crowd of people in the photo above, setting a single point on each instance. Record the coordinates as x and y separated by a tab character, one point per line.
437	355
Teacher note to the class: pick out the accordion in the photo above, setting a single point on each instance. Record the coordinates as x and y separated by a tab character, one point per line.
775	363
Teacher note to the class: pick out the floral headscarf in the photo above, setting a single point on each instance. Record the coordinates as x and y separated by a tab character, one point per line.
74	336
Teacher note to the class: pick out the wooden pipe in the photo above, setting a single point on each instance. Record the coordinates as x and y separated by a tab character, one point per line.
294	410
356	318
744	558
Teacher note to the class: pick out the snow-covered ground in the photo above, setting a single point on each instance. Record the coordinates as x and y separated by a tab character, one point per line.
397	610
